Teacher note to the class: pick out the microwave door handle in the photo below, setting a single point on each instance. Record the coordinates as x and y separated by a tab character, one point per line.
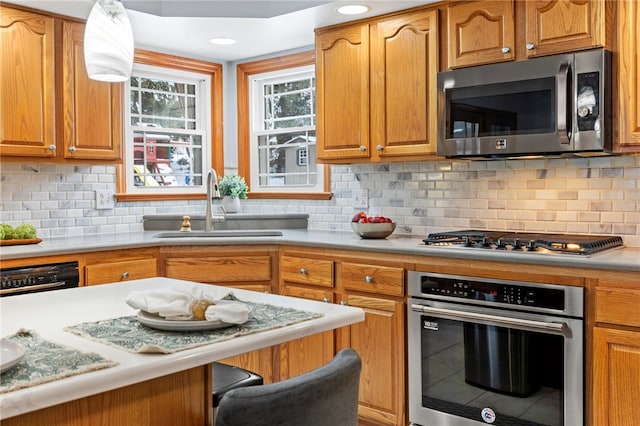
522	324
562	81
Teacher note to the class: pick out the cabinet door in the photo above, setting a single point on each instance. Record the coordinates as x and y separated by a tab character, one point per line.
379	341
303	355
92	109
27	84
342	92
616	375
404	63
627	83
555	26
480	33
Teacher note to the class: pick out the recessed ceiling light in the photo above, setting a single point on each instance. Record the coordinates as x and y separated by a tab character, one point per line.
353	9
223	40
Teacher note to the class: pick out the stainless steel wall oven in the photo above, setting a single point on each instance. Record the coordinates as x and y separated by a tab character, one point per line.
486	351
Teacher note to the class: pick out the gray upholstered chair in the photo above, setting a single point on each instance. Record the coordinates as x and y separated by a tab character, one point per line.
327	396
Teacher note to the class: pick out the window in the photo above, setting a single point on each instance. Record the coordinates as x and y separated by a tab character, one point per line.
277	133
172	136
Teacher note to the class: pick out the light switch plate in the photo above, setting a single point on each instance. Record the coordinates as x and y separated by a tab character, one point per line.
105	200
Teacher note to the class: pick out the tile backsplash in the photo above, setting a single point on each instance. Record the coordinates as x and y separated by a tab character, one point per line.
598	195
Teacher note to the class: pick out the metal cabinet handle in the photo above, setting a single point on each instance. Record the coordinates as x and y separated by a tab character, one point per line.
343	303
379	147
325	300
52	147
72	149
506	49
368	279
303	271
530	46
125	275
363	148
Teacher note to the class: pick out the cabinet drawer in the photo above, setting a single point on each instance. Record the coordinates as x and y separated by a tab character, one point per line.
370	278
213	269
618	306
306	271
116	271
319	295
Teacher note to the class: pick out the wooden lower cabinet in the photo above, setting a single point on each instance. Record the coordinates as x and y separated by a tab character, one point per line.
616	352
182	398
245	267
116	269
616	377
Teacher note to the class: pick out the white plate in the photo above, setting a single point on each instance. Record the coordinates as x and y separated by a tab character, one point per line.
11	353
157	322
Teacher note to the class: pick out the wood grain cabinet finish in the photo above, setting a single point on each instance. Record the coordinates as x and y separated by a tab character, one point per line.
376	84
555	26
480	33
27	84
616	377
342	93
92	110
627	81
118	270
51	110
483	32
303	270
382	280
616	353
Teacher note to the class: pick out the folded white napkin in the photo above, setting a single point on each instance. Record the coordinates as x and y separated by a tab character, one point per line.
175	304
230	313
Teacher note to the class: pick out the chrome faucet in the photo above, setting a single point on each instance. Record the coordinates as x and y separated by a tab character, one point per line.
212	192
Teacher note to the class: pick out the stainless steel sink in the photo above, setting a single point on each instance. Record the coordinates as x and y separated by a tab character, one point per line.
220	234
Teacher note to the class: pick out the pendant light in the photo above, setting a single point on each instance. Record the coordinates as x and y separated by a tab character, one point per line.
108	42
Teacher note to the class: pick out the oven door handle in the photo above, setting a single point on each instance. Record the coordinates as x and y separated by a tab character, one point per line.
523	324
32	287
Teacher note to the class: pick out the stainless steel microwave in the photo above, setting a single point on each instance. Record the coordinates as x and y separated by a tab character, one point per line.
555	105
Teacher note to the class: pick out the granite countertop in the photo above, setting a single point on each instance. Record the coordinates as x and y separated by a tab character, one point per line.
622	259
62	308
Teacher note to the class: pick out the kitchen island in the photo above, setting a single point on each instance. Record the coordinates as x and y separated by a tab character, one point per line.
142	388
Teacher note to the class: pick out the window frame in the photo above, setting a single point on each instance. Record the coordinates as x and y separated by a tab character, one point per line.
215	132
243	80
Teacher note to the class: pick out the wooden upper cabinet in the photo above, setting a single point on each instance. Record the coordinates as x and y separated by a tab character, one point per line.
480	33
627	81
50	108
404	63
555	26
342	91
27	84
483	32
92	109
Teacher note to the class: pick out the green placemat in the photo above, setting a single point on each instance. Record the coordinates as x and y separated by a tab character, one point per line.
46	361
129	334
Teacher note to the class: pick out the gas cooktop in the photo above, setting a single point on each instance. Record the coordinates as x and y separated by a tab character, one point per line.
525	242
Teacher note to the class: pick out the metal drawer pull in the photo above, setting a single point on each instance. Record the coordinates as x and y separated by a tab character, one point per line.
505	50
343	303
303	271
530	325
325	300
125	275
368	279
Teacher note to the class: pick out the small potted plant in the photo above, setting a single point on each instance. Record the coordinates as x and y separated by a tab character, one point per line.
233	188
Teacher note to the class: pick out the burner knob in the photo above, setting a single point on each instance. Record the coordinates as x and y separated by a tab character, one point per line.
501	245
467	241
517	244
531	245
485	242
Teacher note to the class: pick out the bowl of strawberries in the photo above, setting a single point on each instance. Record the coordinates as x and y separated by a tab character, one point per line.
372	227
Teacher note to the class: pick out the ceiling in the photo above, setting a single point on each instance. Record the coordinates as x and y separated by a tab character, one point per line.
260	27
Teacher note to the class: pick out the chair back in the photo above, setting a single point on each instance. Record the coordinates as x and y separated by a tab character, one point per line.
327	396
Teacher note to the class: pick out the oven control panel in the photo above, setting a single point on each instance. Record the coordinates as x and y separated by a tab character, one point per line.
492	292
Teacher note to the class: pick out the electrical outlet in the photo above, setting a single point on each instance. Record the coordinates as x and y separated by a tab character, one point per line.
105	200
361	198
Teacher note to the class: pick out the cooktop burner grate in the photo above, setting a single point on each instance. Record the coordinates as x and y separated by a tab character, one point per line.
527	242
